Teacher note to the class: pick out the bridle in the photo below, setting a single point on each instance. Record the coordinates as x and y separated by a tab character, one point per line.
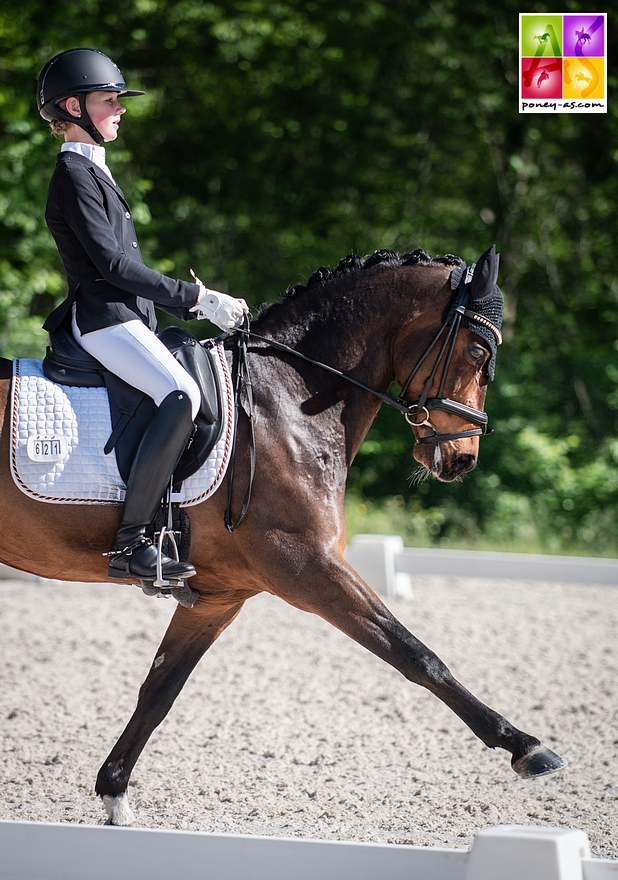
425	404
460	281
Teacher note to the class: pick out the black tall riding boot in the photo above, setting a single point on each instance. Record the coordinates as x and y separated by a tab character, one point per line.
157	456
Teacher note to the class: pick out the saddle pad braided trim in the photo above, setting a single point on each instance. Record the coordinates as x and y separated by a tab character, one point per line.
81	416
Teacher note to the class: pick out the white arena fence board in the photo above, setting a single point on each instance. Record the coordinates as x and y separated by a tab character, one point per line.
522	566
46	851
597	869
387	566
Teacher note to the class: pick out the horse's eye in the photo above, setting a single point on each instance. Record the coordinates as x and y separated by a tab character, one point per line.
477	353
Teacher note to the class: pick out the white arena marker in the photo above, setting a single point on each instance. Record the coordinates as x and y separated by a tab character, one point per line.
374	558
521	852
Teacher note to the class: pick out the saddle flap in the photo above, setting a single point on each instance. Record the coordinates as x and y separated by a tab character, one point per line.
131	412
195	358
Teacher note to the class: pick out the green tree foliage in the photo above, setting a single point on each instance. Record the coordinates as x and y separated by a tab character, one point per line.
278	136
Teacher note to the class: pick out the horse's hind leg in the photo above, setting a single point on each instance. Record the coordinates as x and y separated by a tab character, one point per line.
338	594
189	635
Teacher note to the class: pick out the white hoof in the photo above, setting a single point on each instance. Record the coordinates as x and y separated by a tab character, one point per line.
118	810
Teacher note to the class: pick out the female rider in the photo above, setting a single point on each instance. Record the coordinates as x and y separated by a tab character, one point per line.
112	294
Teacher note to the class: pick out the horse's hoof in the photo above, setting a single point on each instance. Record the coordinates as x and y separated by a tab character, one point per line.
538	762
119	812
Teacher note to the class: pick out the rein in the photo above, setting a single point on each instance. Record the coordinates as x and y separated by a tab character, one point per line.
242	380
425	404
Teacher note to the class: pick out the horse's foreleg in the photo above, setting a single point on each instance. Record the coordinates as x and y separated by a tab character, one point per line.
189	635
339	595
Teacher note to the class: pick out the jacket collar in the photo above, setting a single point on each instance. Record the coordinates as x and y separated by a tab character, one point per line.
68	156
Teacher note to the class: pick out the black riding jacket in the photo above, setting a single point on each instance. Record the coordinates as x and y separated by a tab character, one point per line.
91	223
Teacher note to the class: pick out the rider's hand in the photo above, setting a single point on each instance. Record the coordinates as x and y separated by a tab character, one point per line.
223	310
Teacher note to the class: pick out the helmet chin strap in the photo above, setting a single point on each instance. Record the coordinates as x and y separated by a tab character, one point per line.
84	121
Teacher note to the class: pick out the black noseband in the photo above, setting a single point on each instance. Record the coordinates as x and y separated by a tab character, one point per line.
457	409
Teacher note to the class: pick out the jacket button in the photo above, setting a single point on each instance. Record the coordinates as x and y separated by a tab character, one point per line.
133	244
127	215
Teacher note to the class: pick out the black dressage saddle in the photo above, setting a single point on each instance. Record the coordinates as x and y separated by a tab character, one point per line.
67	363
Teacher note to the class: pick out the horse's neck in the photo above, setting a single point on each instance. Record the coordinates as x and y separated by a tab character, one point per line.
349	327
354	326
354	329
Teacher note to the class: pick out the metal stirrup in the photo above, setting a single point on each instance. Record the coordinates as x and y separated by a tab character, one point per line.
166	532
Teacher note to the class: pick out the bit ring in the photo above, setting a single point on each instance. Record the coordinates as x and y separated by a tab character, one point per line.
408	418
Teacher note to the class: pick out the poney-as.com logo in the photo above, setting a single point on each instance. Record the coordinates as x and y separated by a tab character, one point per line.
562	63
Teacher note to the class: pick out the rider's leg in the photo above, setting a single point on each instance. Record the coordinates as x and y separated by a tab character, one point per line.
157	456
134	353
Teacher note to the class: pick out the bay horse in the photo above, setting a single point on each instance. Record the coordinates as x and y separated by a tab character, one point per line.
377	321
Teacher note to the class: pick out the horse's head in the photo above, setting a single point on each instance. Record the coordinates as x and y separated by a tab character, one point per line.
449	382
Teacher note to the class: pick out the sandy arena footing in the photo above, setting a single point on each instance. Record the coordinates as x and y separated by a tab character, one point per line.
289	728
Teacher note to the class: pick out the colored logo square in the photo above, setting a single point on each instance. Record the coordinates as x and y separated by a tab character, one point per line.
584	78
563	67
541	35
584	35
541	78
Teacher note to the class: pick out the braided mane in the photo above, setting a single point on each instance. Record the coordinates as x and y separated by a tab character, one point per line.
354	263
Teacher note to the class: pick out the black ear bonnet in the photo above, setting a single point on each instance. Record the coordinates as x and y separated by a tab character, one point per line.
485	305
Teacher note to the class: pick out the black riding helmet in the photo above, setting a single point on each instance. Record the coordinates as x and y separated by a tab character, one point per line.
77	72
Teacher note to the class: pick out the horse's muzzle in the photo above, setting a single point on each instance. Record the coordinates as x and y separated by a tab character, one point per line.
442	466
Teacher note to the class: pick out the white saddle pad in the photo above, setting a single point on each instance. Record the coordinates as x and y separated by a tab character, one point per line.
58	433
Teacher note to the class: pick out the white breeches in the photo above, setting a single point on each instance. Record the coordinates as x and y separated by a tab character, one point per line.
133	352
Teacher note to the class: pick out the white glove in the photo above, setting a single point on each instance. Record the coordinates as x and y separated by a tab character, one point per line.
223	310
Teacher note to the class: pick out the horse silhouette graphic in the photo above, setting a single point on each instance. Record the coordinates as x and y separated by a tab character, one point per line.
582	78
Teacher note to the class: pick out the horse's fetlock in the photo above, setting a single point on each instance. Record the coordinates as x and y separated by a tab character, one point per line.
521	744
112	779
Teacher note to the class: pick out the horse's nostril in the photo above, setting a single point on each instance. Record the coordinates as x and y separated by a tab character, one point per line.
465	462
